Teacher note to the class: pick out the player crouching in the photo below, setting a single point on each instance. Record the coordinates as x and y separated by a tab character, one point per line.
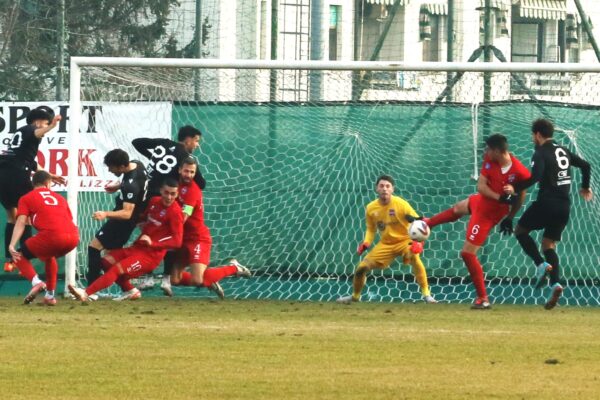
197	241
57	235
162	229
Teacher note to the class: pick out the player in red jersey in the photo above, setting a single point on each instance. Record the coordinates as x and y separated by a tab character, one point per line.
487	208
162	229
197	241
57	235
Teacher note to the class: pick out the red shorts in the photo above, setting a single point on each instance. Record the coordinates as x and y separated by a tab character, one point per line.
194	251
48	244
136	261
481	222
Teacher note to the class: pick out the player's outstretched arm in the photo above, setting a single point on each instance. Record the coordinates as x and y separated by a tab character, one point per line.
586	173
537	172
55	178
144	145
40	132
506	225
124	214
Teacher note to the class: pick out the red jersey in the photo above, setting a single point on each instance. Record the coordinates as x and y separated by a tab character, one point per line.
47	211
190	199
164	225
496	179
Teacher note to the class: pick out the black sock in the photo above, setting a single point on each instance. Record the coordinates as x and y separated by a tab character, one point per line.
8	231
94	265
169	262
552	259
26	234
530	248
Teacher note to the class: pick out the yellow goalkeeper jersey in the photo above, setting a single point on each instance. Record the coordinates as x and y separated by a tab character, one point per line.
389	220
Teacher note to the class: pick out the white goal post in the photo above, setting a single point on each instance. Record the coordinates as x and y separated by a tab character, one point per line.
429	83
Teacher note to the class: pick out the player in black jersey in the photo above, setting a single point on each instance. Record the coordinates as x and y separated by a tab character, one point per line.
165	157
17	163
551	167
129	204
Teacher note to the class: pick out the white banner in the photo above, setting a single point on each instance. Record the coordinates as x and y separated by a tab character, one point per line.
104	126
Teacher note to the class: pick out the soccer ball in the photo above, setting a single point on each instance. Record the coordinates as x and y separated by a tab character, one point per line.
419	231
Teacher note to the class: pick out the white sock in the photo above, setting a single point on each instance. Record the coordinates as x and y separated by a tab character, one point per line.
167	279
36	279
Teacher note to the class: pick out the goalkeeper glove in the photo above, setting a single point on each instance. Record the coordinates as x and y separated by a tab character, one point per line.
506	226
416	247
362	247
411	219
508	198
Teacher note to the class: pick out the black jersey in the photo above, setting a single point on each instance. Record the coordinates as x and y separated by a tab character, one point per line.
165	157
551	167
133	189
22	149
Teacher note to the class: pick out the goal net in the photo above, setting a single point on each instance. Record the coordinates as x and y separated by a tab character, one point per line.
291	153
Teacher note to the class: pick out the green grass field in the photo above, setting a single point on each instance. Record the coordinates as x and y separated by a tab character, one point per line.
201	349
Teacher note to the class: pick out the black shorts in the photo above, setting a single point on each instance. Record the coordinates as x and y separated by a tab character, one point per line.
550	215
115	233
14	183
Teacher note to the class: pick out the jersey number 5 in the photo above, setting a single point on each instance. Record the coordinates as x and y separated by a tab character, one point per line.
49	199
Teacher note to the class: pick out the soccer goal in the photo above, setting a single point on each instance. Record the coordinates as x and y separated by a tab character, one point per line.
291	151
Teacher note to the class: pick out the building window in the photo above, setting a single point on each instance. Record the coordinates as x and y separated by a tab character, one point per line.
434	37
526	42
335	32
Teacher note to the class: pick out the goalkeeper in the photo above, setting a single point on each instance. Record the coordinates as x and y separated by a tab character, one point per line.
391	215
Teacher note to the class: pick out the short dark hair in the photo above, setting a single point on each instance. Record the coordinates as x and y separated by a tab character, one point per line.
116	158
42	112
170	182
544	127
40	178
497	141
187	131
385	178
188	161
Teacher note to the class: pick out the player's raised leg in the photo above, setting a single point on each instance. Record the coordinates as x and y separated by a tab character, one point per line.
452	214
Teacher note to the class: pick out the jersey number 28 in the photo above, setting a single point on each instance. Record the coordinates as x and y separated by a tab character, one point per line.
166	162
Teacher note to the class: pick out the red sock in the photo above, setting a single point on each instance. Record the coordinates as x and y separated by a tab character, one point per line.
124	283
212	275
26	269
104	281
475	271
51	273
186	279
445	216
